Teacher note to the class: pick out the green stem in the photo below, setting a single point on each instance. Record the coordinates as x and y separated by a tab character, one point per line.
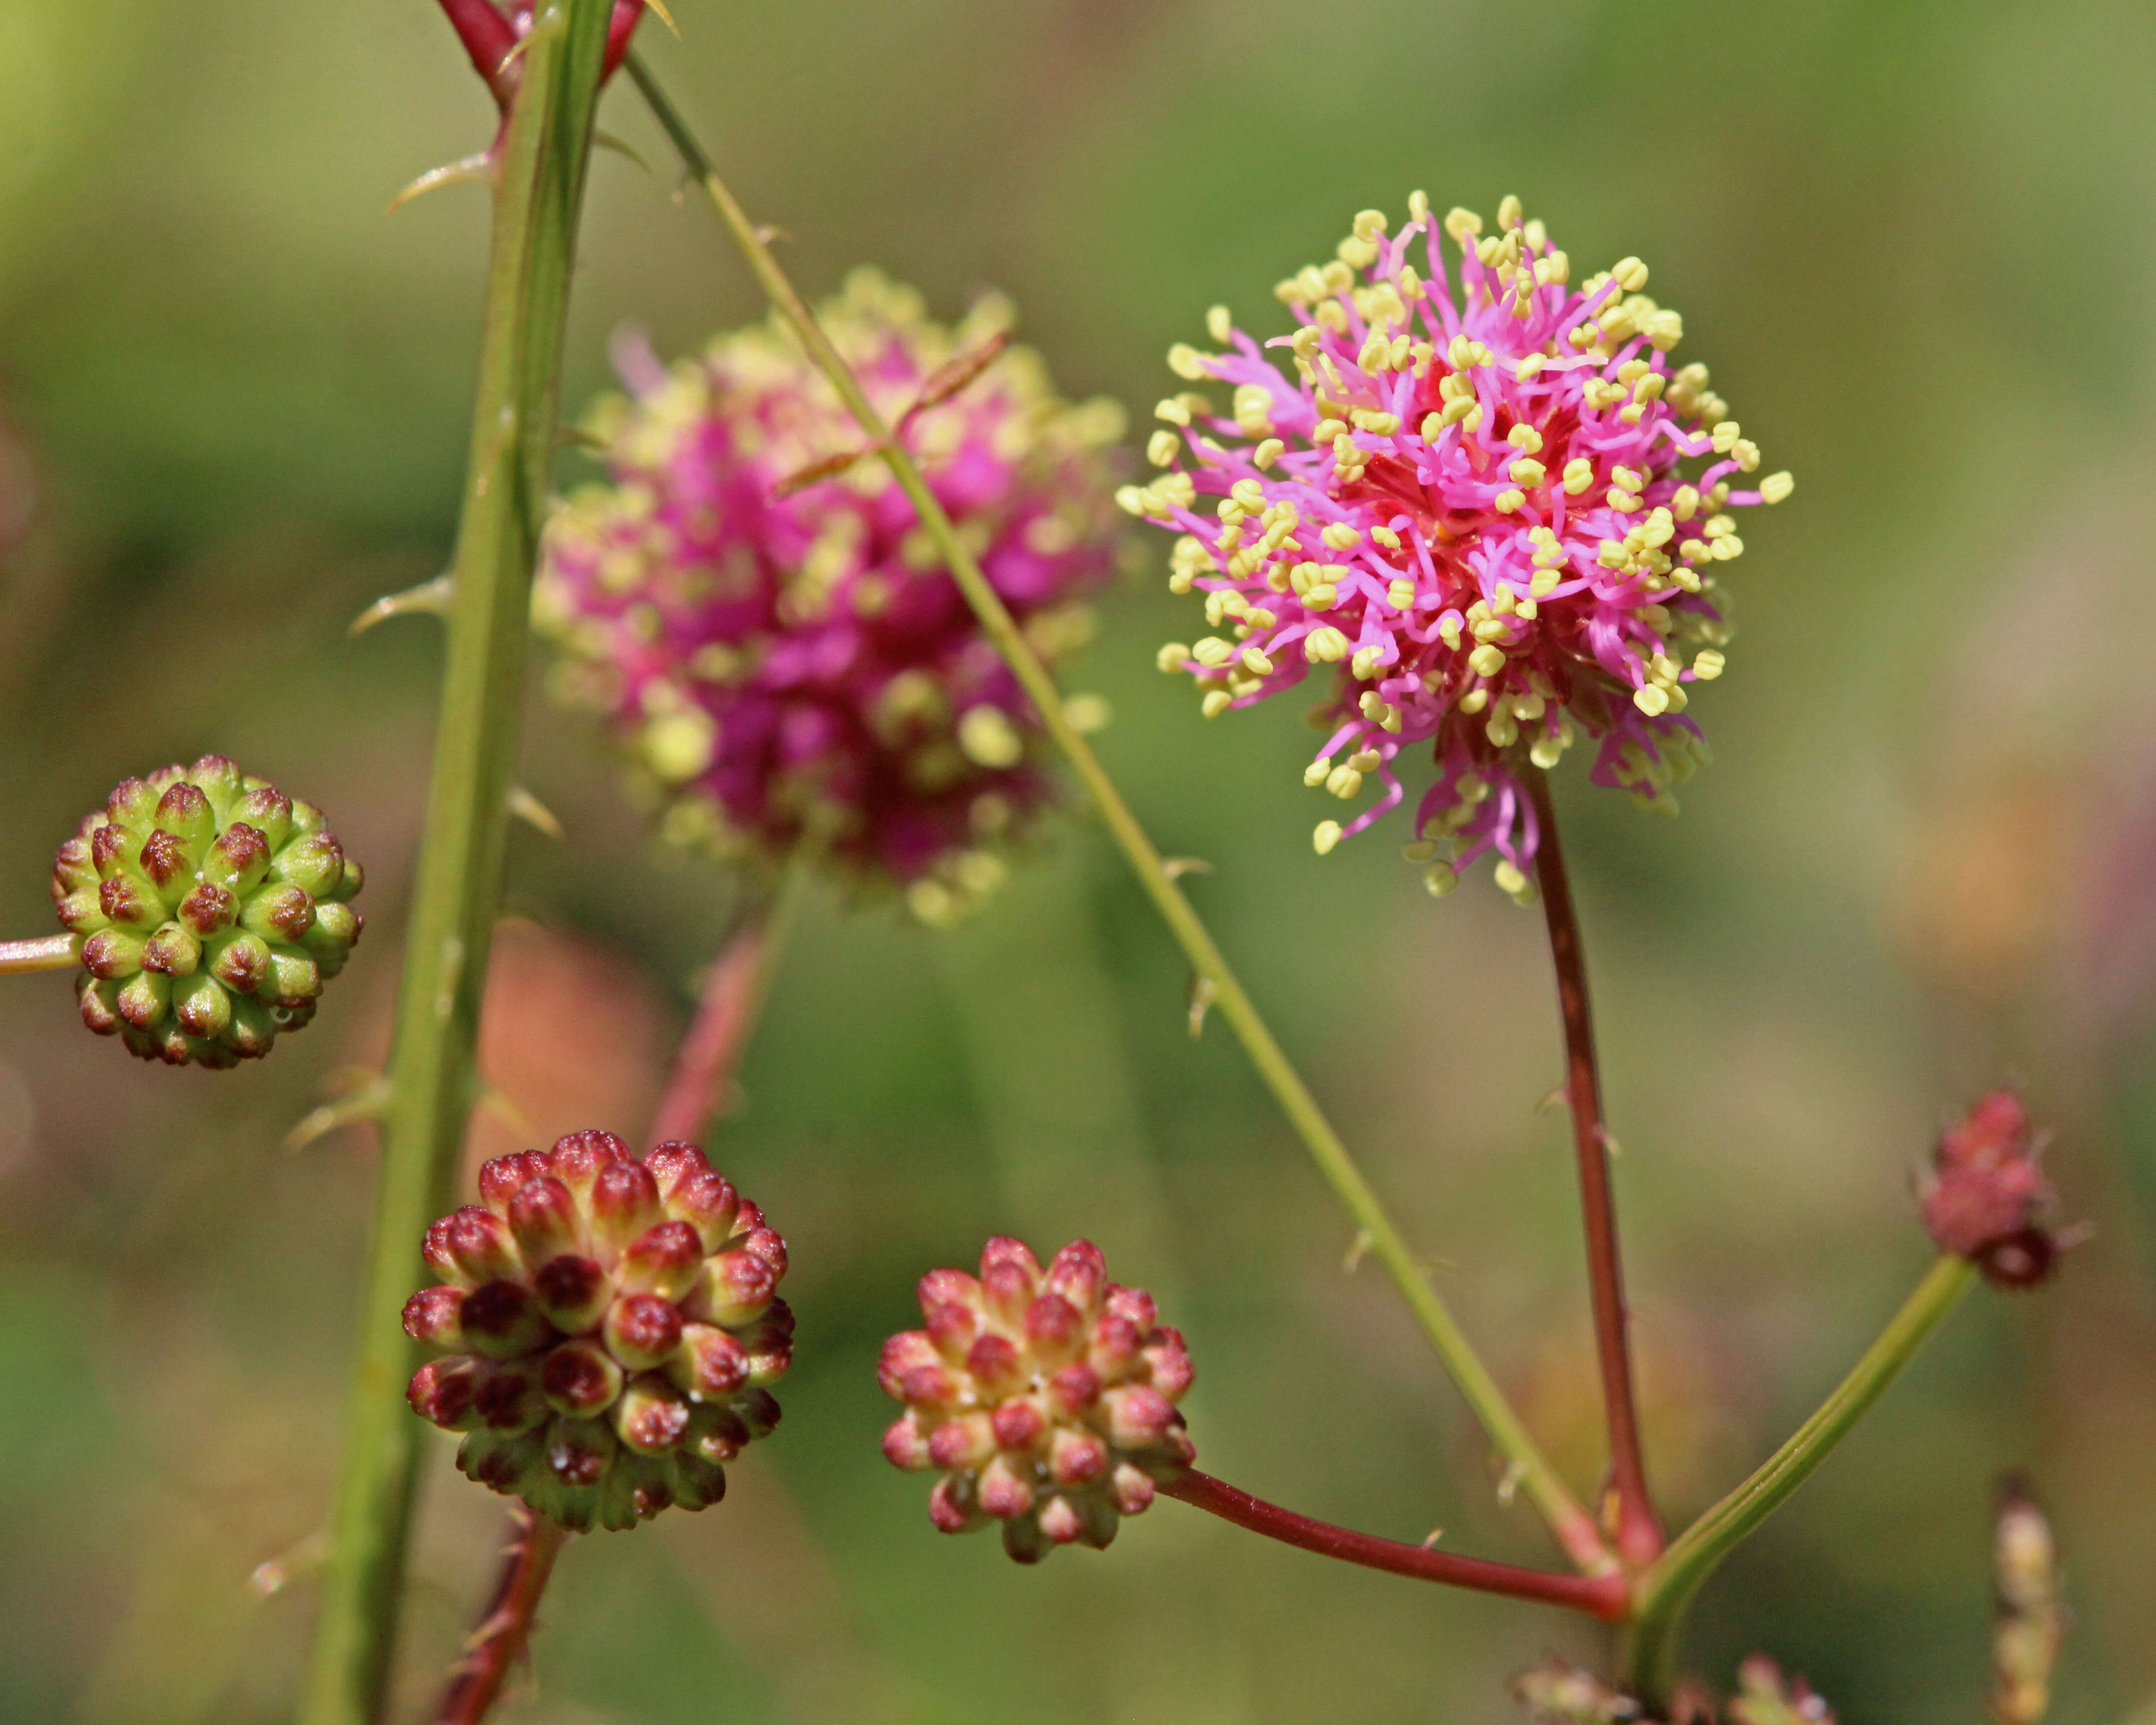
51	952
1575	1528
537	197
1665	1590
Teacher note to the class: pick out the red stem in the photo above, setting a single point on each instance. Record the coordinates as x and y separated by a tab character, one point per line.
725	1012
500	1640
1639	1534
1606	1597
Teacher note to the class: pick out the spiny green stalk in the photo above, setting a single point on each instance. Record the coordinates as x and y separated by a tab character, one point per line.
1666	1590
1573	1527
538	194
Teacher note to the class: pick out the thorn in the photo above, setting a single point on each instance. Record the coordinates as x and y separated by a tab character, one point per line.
767	234
1610	1143
529	809
1431	1537
478	169
665	17
428	598
273	1575
1176	867
1555	1099
503	1107
1508	1487
364	1095
608	141
1202	993
815	473
1450	1266
1357	1249
948	379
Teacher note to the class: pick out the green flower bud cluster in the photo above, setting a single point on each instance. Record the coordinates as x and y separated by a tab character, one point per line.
207	907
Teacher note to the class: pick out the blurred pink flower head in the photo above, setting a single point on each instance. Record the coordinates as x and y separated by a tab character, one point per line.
1476	505
755	606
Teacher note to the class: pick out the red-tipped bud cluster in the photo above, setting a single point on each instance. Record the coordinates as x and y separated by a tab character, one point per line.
1559	1692
1985	1195
609	1329
1766	1696
1046	1398
208	908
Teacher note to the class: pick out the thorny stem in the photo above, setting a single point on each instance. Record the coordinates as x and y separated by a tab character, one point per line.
500	1640
727	1012
455	899
1639	1535
1666	1590
1602	1596
51	952
1573	1527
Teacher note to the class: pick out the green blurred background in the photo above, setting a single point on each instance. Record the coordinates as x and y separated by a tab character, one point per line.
1907	240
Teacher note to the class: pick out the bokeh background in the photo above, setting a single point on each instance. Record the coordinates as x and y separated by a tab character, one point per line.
1912	243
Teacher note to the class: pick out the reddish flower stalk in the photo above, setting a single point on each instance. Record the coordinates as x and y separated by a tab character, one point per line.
726	1013
1605	1596
1639	1534
498	1641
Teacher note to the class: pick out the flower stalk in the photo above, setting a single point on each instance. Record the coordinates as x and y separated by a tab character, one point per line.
500	1641
1668	1589
537	198
1572	1527
51	952
1600	1596
1639	1535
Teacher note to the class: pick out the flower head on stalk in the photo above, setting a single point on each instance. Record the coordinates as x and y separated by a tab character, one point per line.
1047	1398
753	603
1986	1196
609	1326
208	908
1475	504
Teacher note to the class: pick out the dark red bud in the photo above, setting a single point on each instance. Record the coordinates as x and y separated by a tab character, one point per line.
574	1292
651	1416
1053	1326
707	1202
165	859
953	1325
1074	1389
624	1203
1076	1457
238	859
578	1378
1078	1273
1020	1424
1134	1305
767	1244
479	1246
501	1177
968	1442
508	1399
995	1365
2020	1261
948	1510
430	1316
1168	1363
947	1287
580	1452
673	1162
1002	1249
905	1446
122	899
542	1214
208	909
711	1363
735	1287
108	848
501	1320
1006	1290
1137	1416
663	1261
441	1391
904	1353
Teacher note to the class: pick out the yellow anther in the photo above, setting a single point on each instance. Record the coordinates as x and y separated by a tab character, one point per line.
1356	253
1653	700
1418	206
1327	835
1649	388
1343	782
1630	479
1509	211
1554	270
1212	652
1527	369
1162	447
1267	453
1254	409
1547	751
1728	550
1578	474
1323	596
1624	502
1256	662
1506	502
1176	410
1176	488
1725	436
1663	668
1340	537
1364	662
1747	453
1599	392
1419	850
1219	324
1630	275
1657	530
1387	537
1525	438
1401	594
1510	881
1172	657
1315	773
1369	419
1249	493
1474	700
1465	353
1369	224
1486	661
1448	629
1686	504
1631	371
1462	224
1708	664
1527	471
1776	486
1187	361
1439	879
1501	729
1719	527
1216	703
1505	601
987	738
1664	329
1543	584
1324	645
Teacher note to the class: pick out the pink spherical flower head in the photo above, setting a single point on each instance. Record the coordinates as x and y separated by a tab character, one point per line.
756	606
609	1329
1498	511
1046	1398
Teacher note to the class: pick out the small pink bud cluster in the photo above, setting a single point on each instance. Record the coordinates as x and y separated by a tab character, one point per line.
1767	1695
1986	1191
610	1328
754	604
1046	1398
208	907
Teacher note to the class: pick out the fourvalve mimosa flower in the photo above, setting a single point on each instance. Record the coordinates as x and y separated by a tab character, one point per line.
754	605
208	908
1500	515
610	1328
1046	1398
